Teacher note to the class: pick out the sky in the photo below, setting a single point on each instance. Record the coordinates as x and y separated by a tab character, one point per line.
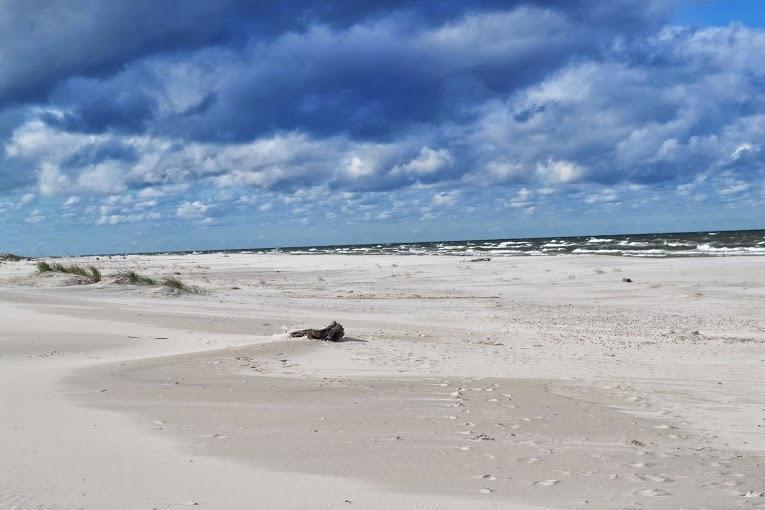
136	125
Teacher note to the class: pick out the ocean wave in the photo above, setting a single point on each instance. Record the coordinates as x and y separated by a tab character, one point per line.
627	242
557	244
507	244
702	244
585	251
731	249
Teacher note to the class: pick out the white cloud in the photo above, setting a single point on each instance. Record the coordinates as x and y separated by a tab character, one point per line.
26	198
247	199
428	161
446	198
604	196
560	171
114	219
733	188
521	199
504	170
51	181
192	209
35	216
355	167
740	151
71	202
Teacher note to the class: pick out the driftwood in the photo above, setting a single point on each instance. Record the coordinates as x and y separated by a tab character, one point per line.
332	333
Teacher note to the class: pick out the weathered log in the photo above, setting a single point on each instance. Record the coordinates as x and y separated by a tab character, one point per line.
332	333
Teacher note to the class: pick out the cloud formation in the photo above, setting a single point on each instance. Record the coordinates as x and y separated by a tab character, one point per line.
416	111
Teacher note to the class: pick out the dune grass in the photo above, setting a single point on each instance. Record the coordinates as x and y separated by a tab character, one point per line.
90	273
9	257
175	283
131	277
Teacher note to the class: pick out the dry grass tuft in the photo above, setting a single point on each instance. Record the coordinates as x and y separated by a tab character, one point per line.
175	283
133	278
90	273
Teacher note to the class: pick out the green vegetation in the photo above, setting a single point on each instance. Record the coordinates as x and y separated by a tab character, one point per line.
9	257
43	266
90	273
175	283
93	275
133	278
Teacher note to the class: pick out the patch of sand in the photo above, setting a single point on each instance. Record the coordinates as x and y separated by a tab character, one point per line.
538	381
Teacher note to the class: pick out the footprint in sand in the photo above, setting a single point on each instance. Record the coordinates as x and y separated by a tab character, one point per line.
641	464
654	493
659	478
654	478
485	490
546	483
458	392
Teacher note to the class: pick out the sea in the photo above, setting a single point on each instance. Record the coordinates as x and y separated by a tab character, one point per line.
733	243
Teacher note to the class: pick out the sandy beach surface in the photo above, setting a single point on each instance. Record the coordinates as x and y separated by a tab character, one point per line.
527	382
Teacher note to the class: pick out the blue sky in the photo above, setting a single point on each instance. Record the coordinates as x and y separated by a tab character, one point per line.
130	126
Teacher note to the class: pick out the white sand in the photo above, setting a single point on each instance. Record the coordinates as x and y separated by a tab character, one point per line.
516	383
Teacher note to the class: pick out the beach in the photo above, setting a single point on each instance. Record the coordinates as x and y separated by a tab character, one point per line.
570	381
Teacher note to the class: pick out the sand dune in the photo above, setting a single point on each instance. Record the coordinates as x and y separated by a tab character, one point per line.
541	382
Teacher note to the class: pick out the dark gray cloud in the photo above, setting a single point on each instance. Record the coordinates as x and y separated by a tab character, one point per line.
94	154
45	42
356	68
101	108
